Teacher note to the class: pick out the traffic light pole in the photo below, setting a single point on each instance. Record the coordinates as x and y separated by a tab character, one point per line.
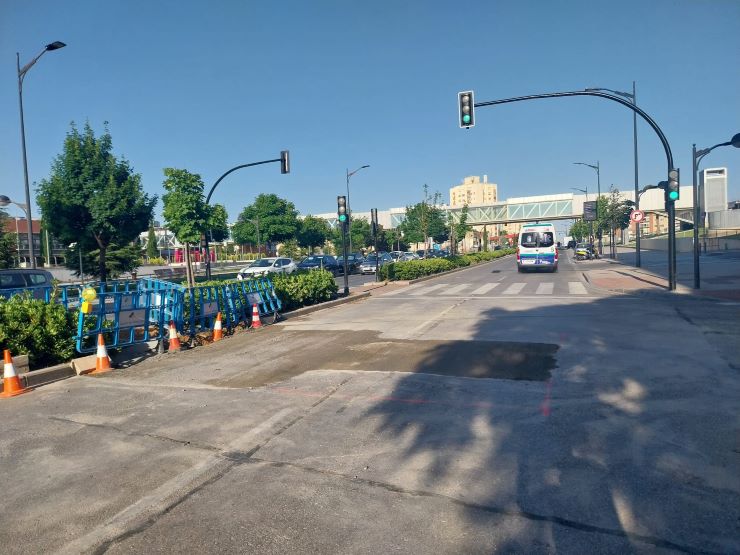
666	147
285	168
344	253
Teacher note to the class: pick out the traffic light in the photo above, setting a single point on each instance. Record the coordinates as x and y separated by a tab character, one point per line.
284	161
342	210
466	108
672	190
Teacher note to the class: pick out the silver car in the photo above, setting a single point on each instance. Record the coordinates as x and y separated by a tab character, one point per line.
265	266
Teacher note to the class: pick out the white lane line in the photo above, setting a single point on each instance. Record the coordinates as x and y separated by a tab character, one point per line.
514	289
484	289
576	288
455	290
425	290
545	288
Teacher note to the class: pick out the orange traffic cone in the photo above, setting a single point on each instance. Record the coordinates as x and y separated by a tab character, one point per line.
11	382
102	363
174	340
256	317
218	333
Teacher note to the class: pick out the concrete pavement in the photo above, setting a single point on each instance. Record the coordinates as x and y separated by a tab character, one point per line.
401	423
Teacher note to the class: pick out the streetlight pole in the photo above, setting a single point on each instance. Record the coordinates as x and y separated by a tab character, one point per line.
696	156
633	98
284	168
349	208
598	195
591	223
21	74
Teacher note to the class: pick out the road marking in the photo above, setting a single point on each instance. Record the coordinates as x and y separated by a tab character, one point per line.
455	289
425	290
545	288
515	289
576	288
484	289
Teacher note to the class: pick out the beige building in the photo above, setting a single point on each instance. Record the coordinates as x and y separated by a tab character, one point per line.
473	191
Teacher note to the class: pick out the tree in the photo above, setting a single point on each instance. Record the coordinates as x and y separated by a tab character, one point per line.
616	215
313	232
424	220
580	230
278	220
459	229
218	223
7	243
151	243
185	211
94	199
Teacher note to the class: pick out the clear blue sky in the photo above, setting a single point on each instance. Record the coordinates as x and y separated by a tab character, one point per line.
209	85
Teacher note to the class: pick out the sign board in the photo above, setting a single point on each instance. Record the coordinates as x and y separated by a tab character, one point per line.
253	298
209	309
127	302
637	216
131	318
589	211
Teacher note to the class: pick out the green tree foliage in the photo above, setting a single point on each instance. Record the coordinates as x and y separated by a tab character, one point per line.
185	210
93	198
7	243
458	228
218	226
151	243
616	215
424	220
278	220
313	232
580	230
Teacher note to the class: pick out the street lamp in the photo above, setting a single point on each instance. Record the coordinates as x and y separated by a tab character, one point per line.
598	194
591	223
256	222
5	201
633	98
349	209
79	249
56	45
697	156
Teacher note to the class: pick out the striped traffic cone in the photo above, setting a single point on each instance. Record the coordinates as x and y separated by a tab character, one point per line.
174	340
102	362
218	333
255	317
11	382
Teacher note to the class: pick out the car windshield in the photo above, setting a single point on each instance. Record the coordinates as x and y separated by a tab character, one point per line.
313	259
532	239
371	258
262	263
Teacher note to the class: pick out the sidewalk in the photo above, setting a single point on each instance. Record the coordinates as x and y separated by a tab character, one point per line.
720	275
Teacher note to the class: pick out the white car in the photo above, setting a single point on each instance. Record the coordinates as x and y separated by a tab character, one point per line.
265	266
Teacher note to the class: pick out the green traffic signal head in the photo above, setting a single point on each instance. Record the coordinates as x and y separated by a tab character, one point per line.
343	217
673	195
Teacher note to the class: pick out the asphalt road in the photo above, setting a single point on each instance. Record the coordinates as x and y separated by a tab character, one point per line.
484	411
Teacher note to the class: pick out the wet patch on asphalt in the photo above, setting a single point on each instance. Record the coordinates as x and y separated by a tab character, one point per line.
364	351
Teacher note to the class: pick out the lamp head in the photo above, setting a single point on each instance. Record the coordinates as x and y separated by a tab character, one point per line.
4	201
735	141
56	45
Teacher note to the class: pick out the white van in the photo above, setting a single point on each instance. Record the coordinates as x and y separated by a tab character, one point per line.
536	248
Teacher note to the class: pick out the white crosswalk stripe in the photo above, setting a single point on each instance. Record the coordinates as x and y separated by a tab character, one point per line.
545	288
484	289
429	289
455	290
514	289
576	288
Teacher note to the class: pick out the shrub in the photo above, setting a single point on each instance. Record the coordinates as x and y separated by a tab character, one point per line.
44	332
304	288
414	269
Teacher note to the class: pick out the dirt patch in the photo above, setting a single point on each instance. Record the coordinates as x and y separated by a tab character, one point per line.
364	351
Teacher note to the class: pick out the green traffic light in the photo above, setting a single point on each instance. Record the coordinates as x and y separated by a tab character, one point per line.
466	118
343	218
673	195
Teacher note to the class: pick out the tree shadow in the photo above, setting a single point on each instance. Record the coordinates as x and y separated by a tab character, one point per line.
621	449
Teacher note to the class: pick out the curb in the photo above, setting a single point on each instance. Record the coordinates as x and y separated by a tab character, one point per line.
49	375
453	271
328	304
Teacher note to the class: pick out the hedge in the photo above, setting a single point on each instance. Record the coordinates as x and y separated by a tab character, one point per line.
414	269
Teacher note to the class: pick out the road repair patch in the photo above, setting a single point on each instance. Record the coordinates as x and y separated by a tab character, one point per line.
365	351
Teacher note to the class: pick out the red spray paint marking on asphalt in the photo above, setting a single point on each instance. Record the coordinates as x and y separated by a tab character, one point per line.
376	398
545	406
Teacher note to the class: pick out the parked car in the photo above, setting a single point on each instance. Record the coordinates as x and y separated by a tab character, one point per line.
19	278
405	257
264	266
353	263
395	255
368	266
319	261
